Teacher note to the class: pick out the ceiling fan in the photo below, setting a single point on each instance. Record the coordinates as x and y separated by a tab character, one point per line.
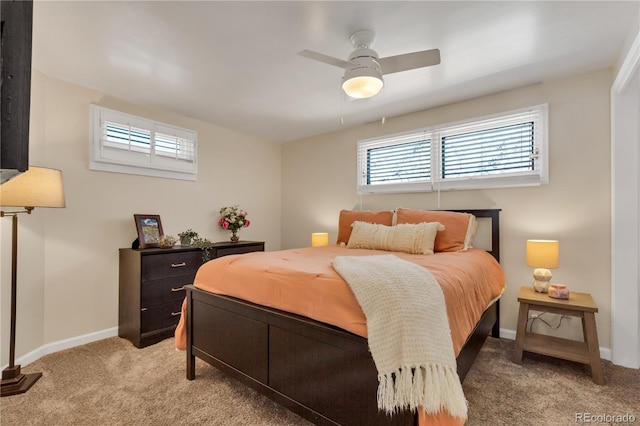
364	70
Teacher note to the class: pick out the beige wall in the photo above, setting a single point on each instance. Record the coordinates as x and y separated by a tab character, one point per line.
68	265
319	179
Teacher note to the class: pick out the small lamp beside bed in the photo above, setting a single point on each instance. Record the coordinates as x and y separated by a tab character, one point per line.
319	239
542	255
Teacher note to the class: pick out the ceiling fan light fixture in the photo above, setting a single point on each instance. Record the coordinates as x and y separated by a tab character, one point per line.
362	81
362	87
363	70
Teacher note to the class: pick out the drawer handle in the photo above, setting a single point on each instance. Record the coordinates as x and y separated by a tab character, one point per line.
178	265
143	309
177	289
175	314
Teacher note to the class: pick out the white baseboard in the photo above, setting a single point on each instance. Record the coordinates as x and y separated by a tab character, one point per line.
49	348
507	334
605	353
72	342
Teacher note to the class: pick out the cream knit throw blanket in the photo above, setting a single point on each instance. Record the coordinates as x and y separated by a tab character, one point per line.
409	335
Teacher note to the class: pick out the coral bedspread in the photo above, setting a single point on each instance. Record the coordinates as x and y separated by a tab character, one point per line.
302	281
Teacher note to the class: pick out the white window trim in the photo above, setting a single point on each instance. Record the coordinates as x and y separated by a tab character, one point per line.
145	164
434	133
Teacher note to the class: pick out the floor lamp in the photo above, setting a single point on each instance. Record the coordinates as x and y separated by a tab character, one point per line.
37	187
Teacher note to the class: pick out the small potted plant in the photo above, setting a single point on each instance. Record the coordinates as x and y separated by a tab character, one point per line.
204	245
187	237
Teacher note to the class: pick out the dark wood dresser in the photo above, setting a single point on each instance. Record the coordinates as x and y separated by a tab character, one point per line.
151	288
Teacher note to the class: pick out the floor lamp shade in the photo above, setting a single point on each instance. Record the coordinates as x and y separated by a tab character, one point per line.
37	187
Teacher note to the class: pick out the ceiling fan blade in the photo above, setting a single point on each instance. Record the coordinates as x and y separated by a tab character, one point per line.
323	58
409	61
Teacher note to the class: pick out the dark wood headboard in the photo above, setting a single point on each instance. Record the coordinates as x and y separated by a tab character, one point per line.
494	215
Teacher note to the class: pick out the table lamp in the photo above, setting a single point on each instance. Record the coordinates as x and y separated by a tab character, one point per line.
37	187
319	239
542	255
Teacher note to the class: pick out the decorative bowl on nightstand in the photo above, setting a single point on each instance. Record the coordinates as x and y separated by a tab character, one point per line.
558	291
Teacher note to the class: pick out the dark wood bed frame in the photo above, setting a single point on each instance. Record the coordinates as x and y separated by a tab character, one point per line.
321	372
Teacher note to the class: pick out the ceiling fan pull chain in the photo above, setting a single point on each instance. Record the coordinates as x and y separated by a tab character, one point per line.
341	105
384	105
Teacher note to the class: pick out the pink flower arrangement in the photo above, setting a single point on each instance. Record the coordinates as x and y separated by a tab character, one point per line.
232	218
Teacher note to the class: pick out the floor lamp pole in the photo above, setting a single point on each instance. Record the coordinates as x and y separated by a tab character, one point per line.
13	381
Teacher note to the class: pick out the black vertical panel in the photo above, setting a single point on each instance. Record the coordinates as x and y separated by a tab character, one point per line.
17	24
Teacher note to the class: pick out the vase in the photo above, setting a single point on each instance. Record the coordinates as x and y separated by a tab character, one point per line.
234	236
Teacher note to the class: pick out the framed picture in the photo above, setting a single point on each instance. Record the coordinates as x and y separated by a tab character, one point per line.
149	229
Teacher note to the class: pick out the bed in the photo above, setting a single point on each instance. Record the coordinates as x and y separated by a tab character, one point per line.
301	358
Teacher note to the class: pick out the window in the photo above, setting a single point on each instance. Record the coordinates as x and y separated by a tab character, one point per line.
508	149
128	144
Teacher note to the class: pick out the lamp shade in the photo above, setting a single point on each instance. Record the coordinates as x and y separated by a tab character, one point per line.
362	87
37	187
362	78
319	239
543	253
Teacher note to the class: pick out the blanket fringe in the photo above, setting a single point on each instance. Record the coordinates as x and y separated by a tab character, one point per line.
432	387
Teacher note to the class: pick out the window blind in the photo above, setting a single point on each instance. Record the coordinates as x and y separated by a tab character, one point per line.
126	137
490	151
129	144
405	162
508	149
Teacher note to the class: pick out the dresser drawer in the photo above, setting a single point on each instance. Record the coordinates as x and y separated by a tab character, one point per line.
236	250
150	289
159	317
170	264
158	292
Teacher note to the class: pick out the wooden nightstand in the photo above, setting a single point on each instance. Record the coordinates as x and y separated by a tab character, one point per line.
578	305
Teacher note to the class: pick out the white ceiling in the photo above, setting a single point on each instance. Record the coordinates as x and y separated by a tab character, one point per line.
235	64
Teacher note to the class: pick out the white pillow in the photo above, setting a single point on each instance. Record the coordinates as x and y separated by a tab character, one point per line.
471	231
409	238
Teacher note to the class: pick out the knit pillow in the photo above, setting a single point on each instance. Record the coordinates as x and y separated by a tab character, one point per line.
415	239
459	227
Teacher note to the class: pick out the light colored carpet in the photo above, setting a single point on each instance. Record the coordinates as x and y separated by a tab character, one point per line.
110	382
